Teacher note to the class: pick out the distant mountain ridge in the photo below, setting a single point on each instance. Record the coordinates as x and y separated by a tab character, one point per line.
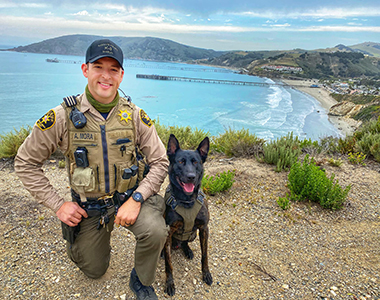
339	61
367	48
148	48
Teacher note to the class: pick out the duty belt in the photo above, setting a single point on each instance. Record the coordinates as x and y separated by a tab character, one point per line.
106	201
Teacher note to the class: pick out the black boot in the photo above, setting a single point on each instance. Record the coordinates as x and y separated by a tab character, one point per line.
141	291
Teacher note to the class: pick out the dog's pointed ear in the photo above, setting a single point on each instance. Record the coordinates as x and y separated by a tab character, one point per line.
173	145
203	148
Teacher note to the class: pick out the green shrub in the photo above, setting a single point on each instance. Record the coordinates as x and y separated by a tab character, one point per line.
282	152
369	145
335	162
283	202
346	145
329	144
372	126
308	182
309	146
11	141
237	143
218	183
356	158
187	137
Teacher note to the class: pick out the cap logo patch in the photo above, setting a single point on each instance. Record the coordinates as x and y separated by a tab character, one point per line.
47	121
145	119
108	49
124	115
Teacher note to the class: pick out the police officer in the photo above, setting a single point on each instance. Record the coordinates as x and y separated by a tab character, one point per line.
104	138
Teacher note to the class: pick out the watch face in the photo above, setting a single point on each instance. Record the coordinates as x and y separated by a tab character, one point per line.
137	197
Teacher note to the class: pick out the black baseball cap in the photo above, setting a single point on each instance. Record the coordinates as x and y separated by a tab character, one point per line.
104	48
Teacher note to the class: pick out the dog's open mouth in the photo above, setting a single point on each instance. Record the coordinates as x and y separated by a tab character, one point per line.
187	187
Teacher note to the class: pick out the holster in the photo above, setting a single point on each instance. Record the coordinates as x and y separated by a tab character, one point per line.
70	233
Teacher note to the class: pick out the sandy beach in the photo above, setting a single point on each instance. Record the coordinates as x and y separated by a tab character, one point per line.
346	126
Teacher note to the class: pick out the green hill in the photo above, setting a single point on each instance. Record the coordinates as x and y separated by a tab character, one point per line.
342	64
147	48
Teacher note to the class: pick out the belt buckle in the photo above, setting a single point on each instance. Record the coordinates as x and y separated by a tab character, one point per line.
108	200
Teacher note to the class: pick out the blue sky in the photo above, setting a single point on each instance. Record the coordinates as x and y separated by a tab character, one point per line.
219	25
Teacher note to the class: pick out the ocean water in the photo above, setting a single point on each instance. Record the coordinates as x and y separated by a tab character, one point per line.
31	86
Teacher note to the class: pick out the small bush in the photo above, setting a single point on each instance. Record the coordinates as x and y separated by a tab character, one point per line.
237	143
346	145
369	145
11	141
218	183
310	147
356	158
284	202
187	137
308	182
335	162
283	152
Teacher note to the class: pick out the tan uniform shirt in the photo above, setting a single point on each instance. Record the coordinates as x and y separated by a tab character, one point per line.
40	145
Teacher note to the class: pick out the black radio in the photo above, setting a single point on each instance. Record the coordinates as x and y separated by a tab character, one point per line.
80	156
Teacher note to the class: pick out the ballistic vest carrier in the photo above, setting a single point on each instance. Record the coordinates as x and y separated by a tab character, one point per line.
188	214
100	153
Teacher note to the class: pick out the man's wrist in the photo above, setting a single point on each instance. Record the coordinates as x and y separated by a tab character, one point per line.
138	197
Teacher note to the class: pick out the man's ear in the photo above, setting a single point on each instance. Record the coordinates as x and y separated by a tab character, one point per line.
85	70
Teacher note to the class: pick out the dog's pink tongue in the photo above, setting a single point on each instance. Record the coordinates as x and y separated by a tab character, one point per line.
188	187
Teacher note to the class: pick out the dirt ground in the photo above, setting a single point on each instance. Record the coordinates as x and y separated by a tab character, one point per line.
256	249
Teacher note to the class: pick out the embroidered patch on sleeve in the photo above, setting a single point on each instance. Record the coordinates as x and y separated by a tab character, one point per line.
47	121
145	119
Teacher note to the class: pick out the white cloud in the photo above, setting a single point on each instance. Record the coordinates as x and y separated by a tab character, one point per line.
342	29
334	13
22	5
81	13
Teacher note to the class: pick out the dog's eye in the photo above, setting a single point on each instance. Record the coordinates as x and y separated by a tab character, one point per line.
182	161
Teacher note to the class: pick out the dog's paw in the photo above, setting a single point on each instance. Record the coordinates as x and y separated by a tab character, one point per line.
188	252
207	278
170	289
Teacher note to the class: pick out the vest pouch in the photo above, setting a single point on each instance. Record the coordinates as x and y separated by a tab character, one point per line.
83	178
127	178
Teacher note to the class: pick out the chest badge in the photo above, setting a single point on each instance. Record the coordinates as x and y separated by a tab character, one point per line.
47	121
124	115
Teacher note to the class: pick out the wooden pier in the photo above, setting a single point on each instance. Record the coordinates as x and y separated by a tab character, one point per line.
151	66
214	81
65	61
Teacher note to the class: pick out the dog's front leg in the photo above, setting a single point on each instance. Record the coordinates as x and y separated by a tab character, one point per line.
203	237
170	288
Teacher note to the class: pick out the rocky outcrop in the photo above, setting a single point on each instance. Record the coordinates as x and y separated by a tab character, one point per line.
345	109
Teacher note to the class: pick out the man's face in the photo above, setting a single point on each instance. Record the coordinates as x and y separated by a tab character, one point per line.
104	78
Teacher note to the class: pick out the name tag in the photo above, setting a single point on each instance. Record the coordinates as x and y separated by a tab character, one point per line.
84	136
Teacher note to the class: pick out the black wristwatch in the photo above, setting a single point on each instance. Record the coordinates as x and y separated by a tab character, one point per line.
138	197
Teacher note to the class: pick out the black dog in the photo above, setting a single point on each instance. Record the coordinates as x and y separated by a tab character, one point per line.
186	206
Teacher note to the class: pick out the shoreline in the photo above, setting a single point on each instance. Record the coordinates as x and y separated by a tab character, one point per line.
345	125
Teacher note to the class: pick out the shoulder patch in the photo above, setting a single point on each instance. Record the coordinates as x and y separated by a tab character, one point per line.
47	121
145	119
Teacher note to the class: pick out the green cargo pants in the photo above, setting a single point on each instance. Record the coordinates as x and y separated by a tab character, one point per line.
91	249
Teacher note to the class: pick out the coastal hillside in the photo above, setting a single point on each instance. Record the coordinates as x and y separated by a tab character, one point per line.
148	48
313	64
367	48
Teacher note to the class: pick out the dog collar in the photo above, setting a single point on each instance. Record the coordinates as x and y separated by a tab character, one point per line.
172	202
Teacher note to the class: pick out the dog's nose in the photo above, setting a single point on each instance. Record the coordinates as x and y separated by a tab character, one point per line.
191	176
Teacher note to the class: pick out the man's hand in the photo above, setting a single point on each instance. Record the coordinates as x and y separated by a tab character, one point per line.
71	213
128	213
